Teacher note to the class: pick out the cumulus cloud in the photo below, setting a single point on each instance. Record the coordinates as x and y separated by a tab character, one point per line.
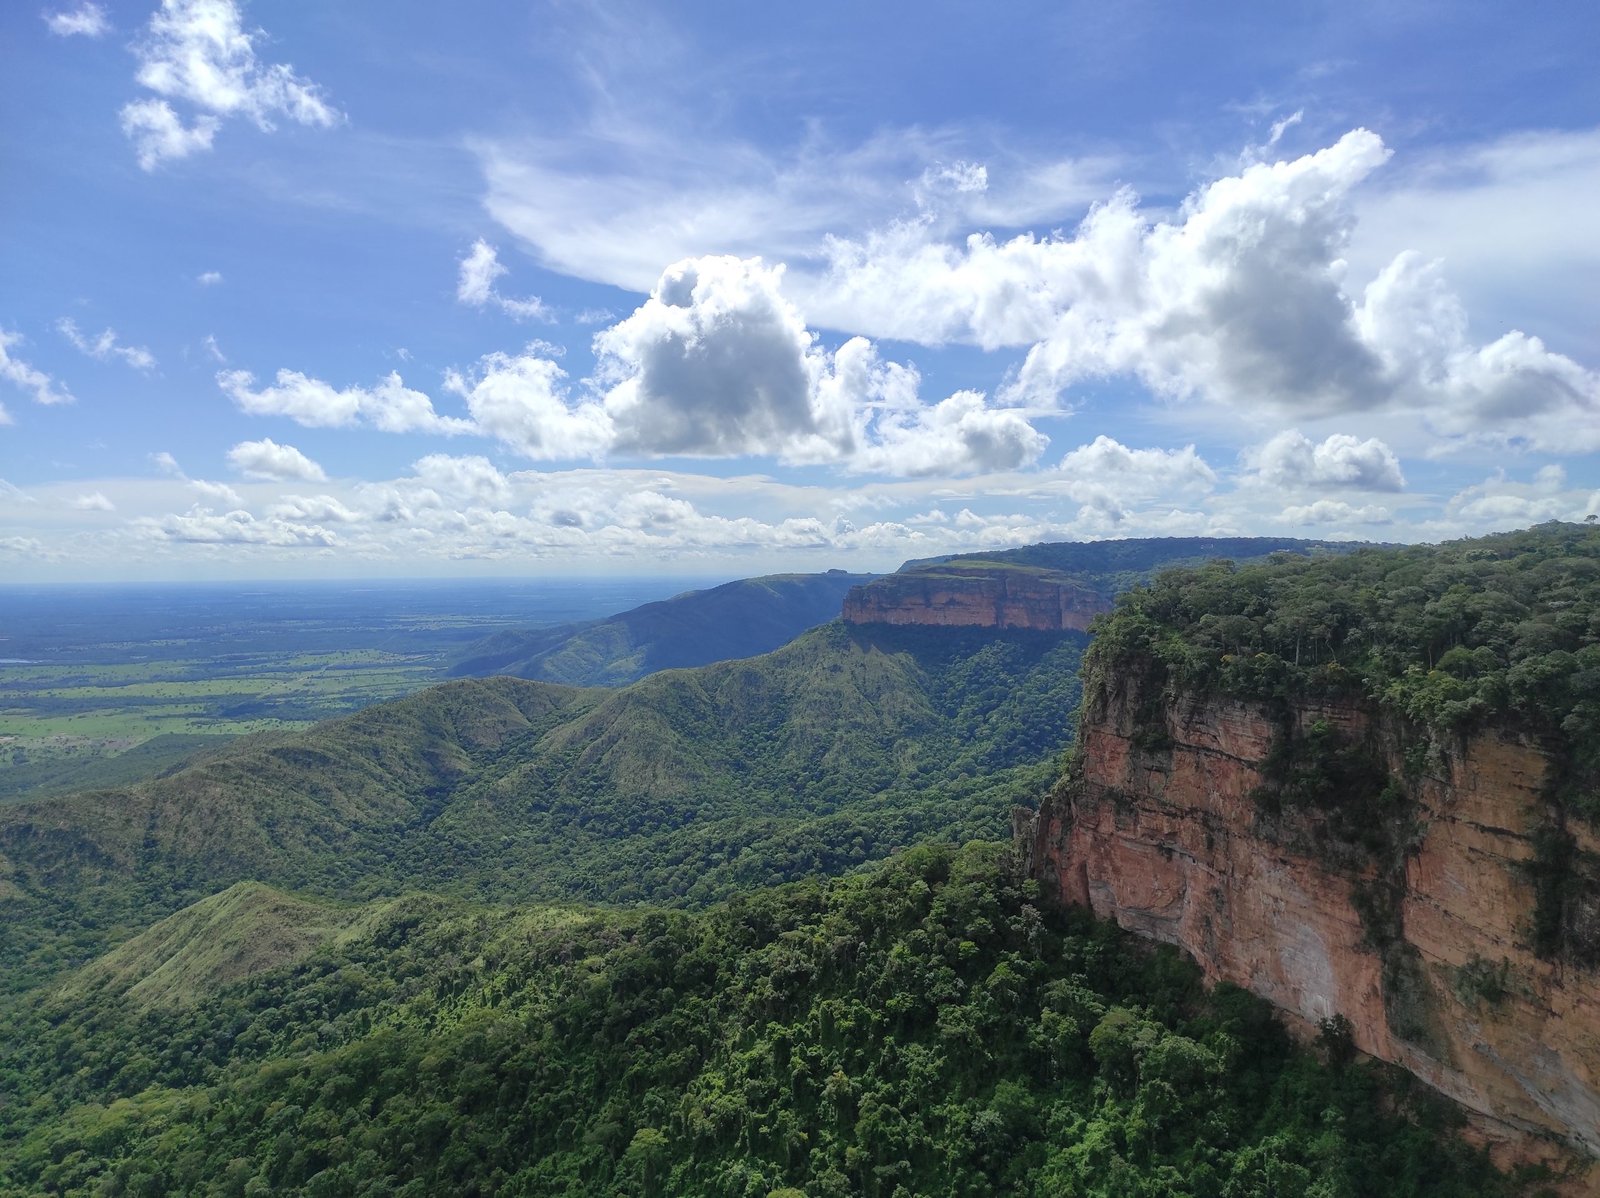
236	528
523	400
718	362
87	20
209	278
467	477
198	53
476	275
1291	459
1501	501
20	374
1335	511
323	509
266	459
103	346
166	464
1512	391
94	501
390	406
1240	299
221	492
957	435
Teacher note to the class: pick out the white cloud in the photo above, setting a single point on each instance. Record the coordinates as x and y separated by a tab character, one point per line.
717	362
1335	511
235	528
315	509
1512	391
104	346
390	406
209	278
522	400
1502	502
166	464
613	205
468	477
1513	217
476	275
197	52
1142	472
43	388
94	501
957	435
1291	459
214	350
269	460
87	20
221	492
159	134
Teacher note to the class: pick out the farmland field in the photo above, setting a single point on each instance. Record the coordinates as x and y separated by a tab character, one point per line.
103	684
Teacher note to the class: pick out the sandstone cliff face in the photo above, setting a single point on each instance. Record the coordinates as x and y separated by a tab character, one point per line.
1164	831
1001	599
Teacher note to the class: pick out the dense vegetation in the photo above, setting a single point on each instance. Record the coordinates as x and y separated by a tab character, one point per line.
922	1029
1504	627
683	788
1112	567
738	619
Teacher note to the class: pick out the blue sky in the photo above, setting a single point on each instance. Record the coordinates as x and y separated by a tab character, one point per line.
405	289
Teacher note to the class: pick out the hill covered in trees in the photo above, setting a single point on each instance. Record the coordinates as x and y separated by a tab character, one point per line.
682	788
738	619
922	1029
708	933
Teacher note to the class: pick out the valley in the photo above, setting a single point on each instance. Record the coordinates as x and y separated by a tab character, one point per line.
762	923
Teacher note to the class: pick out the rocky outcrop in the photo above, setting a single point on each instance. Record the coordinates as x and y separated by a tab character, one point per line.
1001	597
1413	912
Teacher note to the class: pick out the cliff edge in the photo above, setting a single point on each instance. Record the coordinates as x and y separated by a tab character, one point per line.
1372	805
977	595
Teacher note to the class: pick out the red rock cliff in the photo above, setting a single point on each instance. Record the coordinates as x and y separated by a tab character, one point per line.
1000	599
1163	828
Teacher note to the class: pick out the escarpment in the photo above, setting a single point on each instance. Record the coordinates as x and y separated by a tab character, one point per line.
991	597
1404	855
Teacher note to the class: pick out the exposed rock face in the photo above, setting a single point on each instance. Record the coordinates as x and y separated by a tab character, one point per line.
1038	600
1165	831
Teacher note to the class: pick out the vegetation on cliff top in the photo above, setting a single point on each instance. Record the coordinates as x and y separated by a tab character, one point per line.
1504	627
922	1029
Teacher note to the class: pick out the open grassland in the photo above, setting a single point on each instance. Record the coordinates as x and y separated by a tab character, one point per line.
103	685
70	725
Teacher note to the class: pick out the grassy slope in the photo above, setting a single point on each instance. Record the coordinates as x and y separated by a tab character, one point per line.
739	619
244	930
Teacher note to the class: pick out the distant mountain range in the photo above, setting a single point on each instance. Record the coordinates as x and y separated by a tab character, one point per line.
737	619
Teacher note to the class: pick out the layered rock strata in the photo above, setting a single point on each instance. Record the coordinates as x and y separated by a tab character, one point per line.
1037	600
1415	921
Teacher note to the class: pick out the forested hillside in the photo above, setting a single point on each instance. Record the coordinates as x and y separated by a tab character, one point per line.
738	619
682	788
923	1029
707	934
